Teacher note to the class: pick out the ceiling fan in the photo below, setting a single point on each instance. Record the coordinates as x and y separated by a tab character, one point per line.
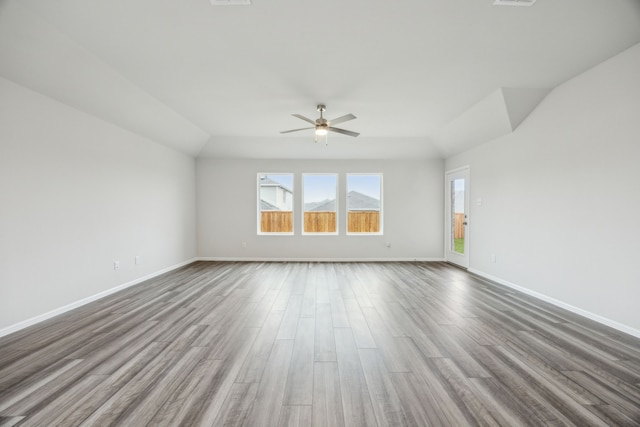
322	125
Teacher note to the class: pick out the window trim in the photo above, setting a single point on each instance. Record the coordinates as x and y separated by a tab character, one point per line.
381	211
259	210
320	233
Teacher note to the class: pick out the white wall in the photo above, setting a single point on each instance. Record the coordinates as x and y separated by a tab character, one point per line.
561	195
413	203
77	193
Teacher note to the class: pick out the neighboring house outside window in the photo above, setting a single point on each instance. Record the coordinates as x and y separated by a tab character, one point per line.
275	195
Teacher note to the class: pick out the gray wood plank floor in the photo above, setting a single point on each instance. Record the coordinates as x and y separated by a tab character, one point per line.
322	344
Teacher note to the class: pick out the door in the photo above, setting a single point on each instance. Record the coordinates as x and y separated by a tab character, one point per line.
457	217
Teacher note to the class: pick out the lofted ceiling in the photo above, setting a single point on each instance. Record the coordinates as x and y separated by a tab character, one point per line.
426	78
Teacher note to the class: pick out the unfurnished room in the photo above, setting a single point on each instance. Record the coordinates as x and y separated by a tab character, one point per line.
319	213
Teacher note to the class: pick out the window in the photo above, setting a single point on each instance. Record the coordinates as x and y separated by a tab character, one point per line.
364	203
320	203
275	203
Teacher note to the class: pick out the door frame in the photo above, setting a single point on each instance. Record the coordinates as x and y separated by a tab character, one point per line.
461	260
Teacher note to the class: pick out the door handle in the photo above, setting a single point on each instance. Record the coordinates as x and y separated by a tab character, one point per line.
464	223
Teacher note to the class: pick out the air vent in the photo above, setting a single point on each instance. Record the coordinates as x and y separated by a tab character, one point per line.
230	2
514	2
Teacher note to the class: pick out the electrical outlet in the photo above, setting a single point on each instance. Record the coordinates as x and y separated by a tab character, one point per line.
493	257
116	265
138	259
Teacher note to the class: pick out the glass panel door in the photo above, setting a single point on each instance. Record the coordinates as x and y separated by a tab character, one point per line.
457	217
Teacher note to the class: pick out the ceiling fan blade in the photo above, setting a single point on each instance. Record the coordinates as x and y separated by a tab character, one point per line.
304	118
343	131
296	130
341	119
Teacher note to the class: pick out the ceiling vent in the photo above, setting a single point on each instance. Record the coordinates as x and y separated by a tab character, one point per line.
514	2
230	2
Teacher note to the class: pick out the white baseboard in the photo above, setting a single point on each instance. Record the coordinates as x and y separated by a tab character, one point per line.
26	323
595	317
249	259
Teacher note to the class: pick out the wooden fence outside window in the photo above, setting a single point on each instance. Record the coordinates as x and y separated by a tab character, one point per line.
276	221
319	222
363	222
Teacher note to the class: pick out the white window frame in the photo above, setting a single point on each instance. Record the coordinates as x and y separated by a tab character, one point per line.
337	195
259	210
377	233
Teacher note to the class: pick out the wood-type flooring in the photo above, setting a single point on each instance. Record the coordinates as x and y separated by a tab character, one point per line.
319	344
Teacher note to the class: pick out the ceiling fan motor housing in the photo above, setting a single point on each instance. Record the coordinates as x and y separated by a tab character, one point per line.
321	122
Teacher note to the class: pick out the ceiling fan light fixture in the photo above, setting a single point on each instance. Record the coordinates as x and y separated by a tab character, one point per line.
321	126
